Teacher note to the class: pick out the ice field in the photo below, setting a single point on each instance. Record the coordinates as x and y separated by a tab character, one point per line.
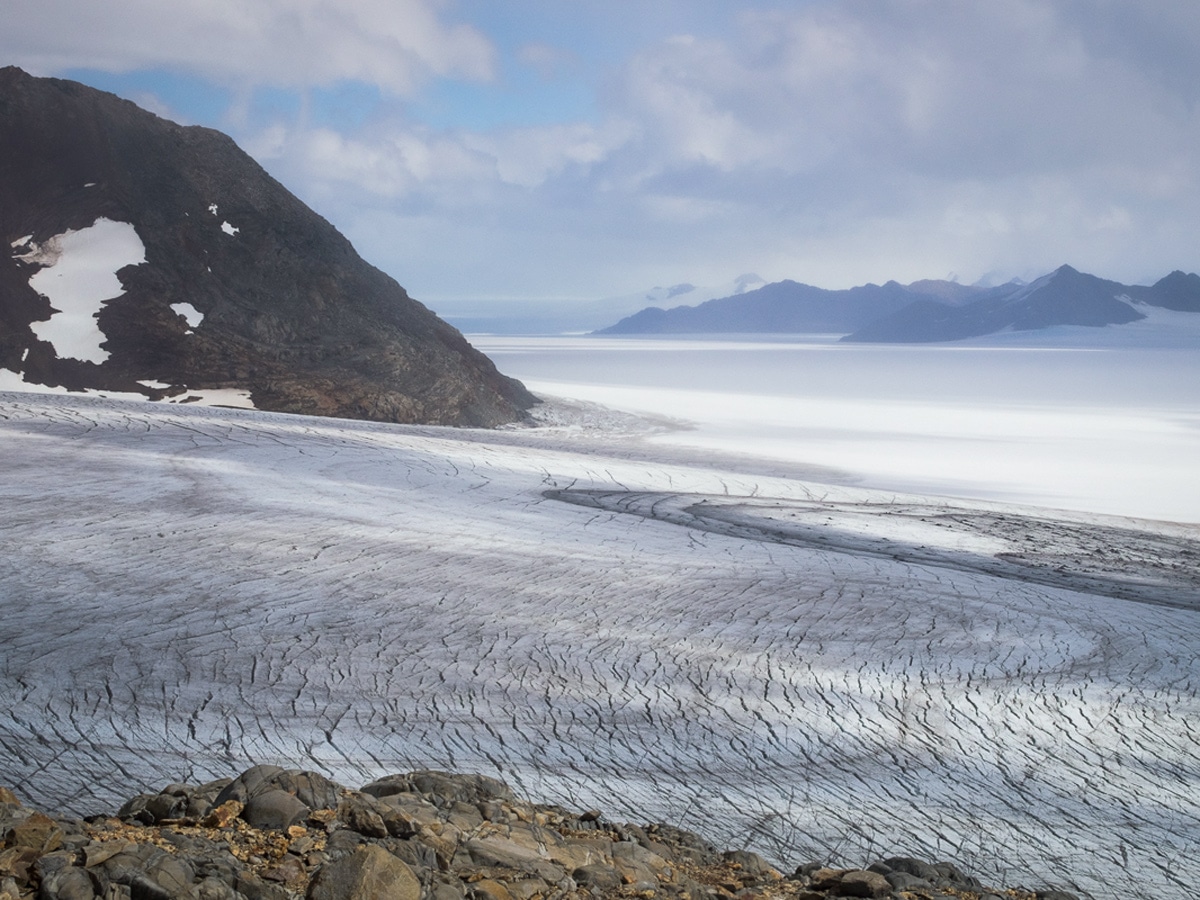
811	670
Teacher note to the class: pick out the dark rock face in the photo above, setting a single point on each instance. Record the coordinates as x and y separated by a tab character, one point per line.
290	312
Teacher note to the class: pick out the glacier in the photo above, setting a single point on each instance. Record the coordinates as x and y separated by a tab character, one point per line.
812	671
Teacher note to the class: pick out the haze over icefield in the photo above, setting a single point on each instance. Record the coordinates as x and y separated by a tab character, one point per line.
808	670
1102	420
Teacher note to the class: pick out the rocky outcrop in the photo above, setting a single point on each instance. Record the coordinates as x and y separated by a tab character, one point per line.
221	278
275	834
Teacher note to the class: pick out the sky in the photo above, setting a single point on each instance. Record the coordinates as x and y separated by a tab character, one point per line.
500	154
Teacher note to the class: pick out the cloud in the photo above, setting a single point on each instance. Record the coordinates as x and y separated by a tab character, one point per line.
959	90
395	44
834	142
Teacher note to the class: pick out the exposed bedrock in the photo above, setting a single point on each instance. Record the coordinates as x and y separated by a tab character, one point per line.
418	836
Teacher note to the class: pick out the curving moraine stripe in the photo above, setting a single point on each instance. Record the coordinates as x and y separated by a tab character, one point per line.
1121	561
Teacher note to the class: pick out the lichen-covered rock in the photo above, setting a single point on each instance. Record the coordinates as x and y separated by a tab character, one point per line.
369	873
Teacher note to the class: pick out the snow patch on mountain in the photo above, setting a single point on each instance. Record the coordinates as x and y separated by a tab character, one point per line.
78	275
226	397
194	316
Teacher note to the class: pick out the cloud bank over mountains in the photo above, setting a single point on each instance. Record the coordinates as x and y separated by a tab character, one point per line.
532	151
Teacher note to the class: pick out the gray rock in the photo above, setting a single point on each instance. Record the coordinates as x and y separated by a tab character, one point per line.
274	809
861	883
245	784
637	864
805	870
1052	894
171	874
388	786
313	790
472	789
49	863
360	813
506	855
448	890
342	843
954	876
34	831
68	883
370	873
902	881
135	809
751	864
851	883
200	799
913	867
464	816
597	878
252	887
215	889
417	856
684	843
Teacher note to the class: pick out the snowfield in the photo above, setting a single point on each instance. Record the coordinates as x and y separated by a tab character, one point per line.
812	671
78	277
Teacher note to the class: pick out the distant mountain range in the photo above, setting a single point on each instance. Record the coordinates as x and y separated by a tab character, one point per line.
923	311
554	316
145	258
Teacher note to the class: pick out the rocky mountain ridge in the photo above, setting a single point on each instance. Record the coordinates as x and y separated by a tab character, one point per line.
924	311
221	279
277	834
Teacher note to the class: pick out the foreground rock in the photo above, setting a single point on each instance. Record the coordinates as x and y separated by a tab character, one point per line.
276	834
219	279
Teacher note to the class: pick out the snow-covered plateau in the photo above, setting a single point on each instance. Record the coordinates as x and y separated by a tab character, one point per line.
811	671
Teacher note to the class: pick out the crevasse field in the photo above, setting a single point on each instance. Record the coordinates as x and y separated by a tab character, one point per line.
935	605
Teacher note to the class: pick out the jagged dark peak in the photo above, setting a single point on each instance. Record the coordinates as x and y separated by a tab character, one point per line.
280	304
1177	291
1179	278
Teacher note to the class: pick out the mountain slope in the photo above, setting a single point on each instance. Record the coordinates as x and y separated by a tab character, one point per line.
1176	291
1064	297
223	279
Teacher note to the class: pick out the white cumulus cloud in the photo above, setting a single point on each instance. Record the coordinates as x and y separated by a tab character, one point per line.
395	44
